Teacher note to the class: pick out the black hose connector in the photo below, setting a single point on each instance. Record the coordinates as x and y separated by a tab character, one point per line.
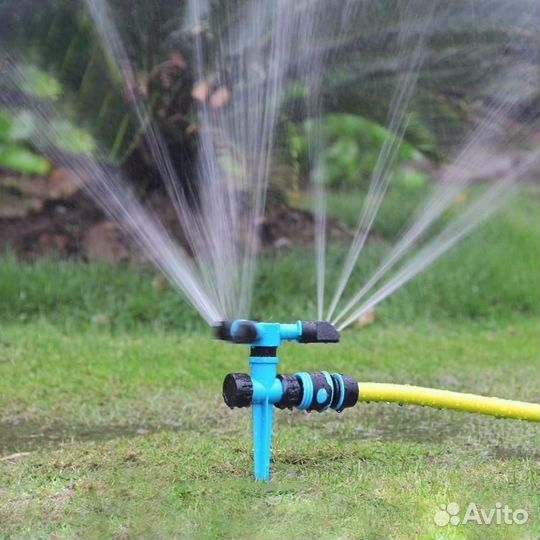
314	391
318	391
323	391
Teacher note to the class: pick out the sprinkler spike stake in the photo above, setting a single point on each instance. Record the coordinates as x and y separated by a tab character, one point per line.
264	388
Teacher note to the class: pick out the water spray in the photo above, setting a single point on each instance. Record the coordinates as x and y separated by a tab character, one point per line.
320	391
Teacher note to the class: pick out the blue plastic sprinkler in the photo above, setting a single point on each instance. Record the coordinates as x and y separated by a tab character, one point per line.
264	389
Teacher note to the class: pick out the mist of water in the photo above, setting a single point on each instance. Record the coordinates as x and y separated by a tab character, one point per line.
253	63
411	62
480	148
223	229
495	129
476	213
111	191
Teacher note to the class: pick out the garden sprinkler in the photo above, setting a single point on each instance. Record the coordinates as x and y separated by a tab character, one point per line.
264	388
321	390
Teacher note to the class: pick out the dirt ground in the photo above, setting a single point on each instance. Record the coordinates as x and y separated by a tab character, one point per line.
52	216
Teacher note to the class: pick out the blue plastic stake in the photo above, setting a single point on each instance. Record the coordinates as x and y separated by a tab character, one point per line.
265	393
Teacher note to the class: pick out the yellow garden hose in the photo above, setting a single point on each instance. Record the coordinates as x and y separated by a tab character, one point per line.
445	399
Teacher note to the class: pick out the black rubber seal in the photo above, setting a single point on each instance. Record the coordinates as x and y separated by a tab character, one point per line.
258	352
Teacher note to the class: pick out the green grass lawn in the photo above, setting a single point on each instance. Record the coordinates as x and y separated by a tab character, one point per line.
110	393
147	448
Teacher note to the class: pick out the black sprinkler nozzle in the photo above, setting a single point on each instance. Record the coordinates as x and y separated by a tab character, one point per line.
245	332
238	390
318	332
223	331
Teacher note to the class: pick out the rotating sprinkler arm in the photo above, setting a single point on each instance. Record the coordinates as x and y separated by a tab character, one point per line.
264	334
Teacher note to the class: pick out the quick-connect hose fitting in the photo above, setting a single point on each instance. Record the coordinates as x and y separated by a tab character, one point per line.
320	390
315	391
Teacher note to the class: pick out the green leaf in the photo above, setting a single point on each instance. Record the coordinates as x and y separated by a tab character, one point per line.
17	127
22	126
412	179
72	139
23	160
39	83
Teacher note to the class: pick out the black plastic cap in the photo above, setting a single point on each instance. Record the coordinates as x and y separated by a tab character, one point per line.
318	332
237	390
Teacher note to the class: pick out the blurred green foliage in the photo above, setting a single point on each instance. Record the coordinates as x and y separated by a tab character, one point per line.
357	88
22	128
351	147
15	150
72	139
60	66
39	84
